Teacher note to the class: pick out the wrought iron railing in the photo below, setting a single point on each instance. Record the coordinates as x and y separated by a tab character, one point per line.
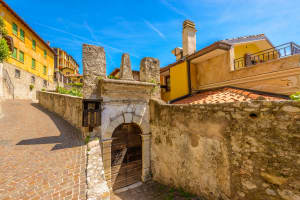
9	83
281	51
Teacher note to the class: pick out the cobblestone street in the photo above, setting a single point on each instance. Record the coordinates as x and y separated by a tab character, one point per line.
41	156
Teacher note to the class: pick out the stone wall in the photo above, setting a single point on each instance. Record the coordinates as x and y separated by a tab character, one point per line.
66	106
233	151
22	84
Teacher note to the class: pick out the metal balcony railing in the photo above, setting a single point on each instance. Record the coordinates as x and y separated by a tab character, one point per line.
280	51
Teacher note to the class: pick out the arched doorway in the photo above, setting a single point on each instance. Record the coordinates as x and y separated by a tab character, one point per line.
126	156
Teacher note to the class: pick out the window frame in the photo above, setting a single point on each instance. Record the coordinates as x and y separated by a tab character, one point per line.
45	53
16	56
15	32
168	83
33	44
45	70
32	80
21	53
33	63
22	38
17	73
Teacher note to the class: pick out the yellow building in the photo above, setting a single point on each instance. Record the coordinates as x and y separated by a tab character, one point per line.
250	63
30	52
65	62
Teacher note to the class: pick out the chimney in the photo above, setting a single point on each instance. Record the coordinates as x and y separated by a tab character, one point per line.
177	53
188	37
48	42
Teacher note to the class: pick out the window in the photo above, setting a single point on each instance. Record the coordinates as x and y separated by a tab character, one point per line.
81	81
33	63
45	70
45	83
22	35
17	73
21	56
14	53
33	44
15	29
168	83
45	54
32	79
68	73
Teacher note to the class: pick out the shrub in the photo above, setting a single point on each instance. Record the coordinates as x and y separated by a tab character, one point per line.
72	91
76	84
112	77
295	96
31	87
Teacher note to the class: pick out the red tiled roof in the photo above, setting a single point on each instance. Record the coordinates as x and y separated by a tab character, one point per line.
226	95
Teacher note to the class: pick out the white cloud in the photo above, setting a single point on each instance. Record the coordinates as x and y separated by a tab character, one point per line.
155	29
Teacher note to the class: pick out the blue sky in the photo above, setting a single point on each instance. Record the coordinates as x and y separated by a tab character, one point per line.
153	28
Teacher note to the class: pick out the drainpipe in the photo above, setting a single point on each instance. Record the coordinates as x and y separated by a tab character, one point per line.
189	76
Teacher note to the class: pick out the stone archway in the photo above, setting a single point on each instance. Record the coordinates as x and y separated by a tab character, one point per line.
115	116
126	156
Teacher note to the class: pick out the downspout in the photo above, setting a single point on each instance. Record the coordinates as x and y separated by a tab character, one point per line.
189	76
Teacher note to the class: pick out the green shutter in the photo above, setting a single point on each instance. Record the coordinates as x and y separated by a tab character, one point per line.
45	54
15	29
33	63
21	56
22	35
33	44
45	70
14	53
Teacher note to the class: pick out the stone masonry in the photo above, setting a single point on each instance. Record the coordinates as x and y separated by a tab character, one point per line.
237	151
94	67
125	69
150	72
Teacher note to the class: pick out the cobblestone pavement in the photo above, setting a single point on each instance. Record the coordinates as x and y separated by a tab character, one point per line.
154	191
41	156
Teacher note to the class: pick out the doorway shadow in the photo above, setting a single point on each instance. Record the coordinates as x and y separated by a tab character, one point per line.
69	136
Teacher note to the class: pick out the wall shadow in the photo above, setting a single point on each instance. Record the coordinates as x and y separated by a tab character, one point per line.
69	136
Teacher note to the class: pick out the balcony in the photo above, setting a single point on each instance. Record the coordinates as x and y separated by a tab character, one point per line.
280	51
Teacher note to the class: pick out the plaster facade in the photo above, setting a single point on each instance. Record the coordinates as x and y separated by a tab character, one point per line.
21	83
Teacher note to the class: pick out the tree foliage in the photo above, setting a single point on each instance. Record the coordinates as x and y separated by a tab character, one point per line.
4	49
3	31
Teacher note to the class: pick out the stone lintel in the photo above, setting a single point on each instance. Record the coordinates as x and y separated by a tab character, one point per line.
125	90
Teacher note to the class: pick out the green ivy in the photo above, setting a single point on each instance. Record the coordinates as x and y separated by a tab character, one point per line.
295	96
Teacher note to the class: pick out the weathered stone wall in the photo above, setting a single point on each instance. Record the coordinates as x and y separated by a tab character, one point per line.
66	106
94	67
22	84
233	151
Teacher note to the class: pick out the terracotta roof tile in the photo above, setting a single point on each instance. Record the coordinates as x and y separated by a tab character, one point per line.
226	95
